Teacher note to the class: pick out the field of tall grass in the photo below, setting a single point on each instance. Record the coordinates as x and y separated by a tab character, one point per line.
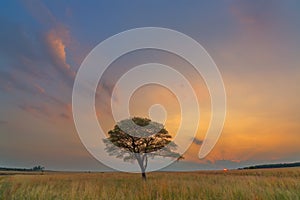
236	184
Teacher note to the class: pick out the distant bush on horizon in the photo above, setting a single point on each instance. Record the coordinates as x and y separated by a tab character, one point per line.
280	165
34	169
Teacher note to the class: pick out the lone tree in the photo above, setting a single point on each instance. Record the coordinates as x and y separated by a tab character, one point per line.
139	139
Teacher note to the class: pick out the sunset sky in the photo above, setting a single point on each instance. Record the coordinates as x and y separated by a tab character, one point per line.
255	44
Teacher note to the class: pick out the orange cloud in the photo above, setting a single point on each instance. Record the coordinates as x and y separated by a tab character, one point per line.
57	48
56	43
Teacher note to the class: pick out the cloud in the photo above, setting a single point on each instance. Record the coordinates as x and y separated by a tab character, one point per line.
40	12
10	82
51	108
197	141
106	86
34	63
45	104
39	89
103	97
56	39
20	49
35	110
16	83
56	48
29	56
257	12
64	116
66	111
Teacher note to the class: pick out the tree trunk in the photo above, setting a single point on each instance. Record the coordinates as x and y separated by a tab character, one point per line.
144	176
141	164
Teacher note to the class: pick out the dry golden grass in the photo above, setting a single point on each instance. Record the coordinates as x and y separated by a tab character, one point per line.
238	184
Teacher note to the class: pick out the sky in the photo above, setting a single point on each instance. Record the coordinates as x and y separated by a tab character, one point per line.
255	44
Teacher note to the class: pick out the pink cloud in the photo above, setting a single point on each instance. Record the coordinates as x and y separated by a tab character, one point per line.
39	89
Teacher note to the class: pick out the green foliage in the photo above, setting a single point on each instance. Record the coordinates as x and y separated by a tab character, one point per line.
38	168
138	139
125	142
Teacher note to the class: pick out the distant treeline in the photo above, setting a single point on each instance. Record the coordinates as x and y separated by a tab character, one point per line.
34	169
280	165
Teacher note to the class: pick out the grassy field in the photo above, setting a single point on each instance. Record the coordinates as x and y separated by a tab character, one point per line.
236	184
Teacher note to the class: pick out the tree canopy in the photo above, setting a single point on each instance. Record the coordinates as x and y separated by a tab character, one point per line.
139	139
